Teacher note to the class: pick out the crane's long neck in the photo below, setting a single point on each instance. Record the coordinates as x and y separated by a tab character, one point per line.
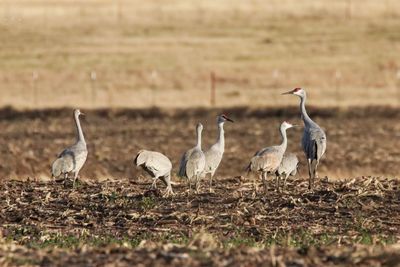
81	138
284	139
221	137
304	115
198	145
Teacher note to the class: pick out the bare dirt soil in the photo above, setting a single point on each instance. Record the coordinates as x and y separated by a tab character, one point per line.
361	141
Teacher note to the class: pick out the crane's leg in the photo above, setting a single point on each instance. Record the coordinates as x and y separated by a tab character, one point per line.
197	183
190	184
167	181
277	182
264	180
310	174
211	180
75	178
316	162
154	184
65	178
285	180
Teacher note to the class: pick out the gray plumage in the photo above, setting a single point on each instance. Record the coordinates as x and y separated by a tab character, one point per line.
193	161
267	160
214	155
314	138
157	165
288	167
72	159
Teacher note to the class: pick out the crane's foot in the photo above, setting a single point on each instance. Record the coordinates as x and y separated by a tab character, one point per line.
168	192
154	184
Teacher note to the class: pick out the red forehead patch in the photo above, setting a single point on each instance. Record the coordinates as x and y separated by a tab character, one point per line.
296	89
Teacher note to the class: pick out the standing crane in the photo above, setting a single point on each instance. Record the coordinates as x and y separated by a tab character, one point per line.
267	160
158	166
314	138
193	161
216	151
288	167
72	159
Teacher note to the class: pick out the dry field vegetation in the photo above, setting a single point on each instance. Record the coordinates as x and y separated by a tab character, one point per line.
148	53
153	53
111	216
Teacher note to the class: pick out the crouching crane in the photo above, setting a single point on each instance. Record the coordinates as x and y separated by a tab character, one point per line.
158	166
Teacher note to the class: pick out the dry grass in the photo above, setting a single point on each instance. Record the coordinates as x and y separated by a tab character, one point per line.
156	53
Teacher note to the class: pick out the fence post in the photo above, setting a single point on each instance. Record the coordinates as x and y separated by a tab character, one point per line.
93	77
213	80
398	83
349	10
119	11
338	77
153	79
35	76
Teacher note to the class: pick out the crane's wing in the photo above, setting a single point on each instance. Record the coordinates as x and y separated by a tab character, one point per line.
183	162
154	162
267	161
63	164
195	163
314	143
213	159
288	164
257	162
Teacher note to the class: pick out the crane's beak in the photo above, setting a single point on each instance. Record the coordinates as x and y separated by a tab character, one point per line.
295	125
288	93
83	114
228	119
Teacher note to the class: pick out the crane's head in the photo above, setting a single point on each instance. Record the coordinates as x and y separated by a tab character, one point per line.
199	127
286	125
296	91
223	118
77	112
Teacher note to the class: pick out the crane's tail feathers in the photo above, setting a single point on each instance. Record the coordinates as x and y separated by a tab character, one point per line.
247	169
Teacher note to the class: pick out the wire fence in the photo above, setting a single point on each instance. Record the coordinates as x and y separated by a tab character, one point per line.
92	90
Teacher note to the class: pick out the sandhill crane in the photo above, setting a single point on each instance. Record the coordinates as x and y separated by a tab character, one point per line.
216	151
267	160
157	165
72	159
288	166
314	138
193	161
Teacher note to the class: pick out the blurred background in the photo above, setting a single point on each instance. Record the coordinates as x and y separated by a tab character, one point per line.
186	53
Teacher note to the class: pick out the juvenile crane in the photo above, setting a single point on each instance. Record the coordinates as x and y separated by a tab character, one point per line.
288	167
158	166
267	160
314	138
72	159
216	151
193	161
